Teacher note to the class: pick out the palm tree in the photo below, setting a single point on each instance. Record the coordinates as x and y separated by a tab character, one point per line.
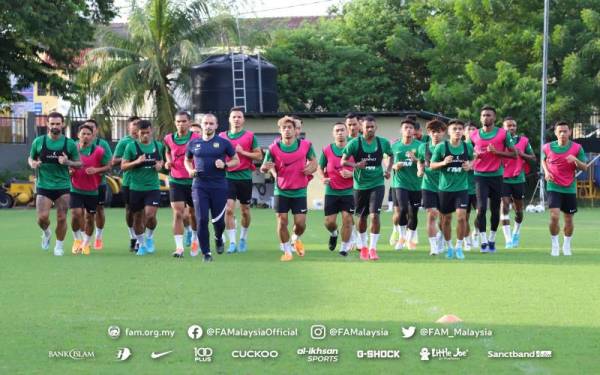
149	66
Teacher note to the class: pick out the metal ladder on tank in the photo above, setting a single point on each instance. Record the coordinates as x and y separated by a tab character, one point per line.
238	75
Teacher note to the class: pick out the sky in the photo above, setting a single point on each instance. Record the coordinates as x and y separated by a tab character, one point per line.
262	8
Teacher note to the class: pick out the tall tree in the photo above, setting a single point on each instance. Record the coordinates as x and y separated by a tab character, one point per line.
151	64
40	40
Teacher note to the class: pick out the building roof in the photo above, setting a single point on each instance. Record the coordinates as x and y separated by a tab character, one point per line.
419	113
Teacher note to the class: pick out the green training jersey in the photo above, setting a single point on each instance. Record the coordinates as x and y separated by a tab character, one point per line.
431	177
51	175
107	151
406	178
371	176
323	164
119	152
144	177
452	176
291	193
556	148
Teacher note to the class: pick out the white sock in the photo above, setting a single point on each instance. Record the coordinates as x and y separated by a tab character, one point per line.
287	247
86	239
59	244
345	246
149	233
506	231
99	233
433	243
517	229
373	240
409	235
468	240
555	243
231	235
438	235
178	241
364	239
402	231
295	237
77	235
194	235
47	232
459	244
483	237
448	244
244	233
188	228
132	234
395	228
567	242
492	236
333	233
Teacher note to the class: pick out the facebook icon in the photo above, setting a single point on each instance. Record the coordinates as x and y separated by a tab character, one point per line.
195	332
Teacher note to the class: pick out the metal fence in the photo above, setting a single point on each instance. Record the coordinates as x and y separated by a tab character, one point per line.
111	128
13	130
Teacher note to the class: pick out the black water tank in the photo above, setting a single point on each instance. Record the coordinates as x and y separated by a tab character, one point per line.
212	82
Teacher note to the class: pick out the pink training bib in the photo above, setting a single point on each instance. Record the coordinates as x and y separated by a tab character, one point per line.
290	165
486	161
83	181
177	153
557	164
333	169
246	142
513	167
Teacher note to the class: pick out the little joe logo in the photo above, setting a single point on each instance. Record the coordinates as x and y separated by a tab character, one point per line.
443	353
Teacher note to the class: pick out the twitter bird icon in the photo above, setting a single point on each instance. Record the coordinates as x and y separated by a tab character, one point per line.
409	332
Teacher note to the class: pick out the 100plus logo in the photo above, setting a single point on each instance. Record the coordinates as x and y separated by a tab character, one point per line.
203	355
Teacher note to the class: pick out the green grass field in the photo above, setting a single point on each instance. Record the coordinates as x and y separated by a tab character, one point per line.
529	300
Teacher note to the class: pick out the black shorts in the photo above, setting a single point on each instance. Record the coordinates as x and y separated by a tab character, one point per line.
181	193
472	203
240	190
452	200
566	202
125	194
101	194
430	199
51	193
404	198
335	204
89	202
488	187
284	204
368	201
515	191
140	199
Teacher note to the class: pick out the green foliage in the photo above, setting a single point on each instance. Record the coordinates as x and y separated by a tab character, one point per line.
40	39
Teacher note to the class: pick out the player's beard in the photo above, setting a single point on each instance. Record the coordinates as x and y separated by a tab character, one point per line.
55	131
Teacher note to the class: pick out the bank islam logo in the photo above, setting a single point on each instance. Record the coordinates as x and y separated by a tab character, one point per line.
409	332
195	332
123	354
443	353
203	355
114	332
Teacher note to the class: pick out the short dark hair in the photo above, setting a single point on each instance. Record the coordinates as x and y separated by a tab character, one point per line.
84	126
236	109
339	123
509	118
91	121
56	115
408	120
488	108
352	115
470	123
131	119
195	124
562	123
455	121
184	113
368	118
435	125
144	124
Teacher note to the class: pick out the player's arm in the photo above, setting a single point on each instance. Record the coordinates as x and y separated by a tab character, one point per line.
158	166
311	165
390	164
71	157
547	175
267	164
188	163
528	154
168	159
436	158
118	155
255	154
510	153
578	160
321	169
128	162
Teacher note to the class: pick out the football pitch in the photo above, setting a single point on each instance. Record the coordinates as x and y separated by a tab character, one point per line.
522	300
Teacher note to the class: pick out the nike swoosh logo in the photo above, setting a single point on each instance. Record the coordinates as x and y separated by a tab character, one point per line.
155	355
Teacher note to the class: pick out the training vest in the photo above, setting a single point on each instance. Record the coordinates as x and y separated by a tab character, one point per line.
49	156
557	164
333	169
83	181
177	153
455	165
246	142
151	159
290	165
486	161
513	167
373	159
